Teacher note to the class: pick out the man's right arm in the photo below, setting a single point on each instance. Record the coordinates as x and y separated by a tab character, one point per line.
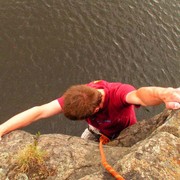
29	116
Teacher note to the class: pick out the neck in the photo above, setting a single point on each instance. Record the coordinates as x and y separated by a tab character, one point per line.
103	97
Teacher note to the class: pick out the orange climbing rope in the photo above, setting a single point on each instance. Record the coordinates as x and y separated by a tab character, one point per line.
105	140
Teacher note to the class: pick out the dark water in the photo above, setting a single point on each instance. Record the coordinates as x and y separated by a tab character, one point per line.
46	46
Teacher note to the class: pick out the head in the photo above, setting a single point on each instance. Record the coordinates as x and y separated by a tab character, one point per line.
81	101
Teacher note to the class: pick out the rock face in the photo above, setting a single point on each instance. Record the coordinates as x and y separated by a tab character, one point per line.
148	150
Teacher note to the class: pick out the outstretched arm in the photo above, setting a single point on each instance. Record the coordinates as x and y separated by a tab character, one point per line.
29	116
151	96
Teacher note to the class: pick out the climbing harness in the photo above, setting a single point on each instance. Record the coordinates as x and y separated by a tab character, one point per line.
104	140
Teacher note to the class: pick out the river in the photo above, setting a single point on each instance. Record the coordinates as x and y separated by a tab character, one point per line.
46	46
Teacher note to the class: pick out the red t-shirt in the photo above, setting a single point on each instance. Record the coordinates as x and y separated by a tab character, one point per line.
116	113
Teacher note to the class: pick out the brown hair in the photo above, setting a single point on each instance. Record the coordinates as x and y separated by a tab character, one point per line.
80	101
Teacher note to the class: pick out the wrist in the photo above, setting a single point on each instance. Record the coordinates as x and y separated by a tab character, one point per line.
164	93
2	130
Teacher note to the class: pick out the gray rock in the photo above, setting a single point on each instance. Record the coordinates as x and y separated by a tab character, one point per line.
148	150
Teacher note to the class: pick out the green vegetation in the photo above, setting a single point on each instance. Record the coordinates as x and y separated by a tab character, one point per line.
32	161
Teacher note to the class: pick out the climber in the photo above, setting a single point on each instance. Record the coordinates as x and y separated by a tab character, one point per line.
107	107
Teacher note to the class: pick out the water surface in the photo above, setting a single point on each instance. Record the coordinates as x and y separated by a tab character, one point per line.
46	46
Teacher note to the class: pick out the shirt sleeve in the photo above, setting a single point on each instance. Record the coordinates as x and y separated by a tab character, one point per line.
61	101
122	91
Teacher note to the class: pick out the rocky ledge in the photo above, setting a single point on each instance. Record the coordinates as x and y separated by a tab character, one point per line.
148	150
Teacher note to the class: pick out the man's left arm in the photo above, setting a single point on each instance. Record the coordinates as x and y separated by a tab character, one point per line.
151	96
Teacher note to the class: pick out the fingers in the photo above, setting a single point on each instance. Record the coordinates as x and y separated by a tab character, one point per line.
172	105
172	96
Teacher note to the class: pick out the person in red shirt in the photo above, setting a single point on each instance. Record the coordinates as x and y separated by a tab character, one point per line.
108	107
114	115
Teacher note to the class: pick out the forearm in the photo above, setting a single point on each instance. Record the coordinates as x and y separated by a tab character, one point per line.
150	96
20	120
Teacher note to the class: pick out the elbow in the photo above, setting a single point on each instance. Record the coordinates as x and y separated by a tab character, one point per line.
143	104
37	111
40	111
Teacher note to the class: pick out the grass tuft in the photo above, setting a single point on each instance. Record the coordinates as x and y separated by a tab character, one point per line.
32	161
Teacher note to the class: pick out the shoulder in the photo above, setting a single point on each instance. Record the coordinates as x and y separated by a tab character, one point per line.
98	84
119	92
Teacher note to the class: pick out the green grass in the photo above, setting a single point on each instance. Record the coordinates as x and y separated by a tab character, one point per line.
32	161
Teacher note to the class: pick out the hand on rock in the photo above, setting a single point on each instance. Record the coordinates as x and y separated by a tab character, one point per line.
171	98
